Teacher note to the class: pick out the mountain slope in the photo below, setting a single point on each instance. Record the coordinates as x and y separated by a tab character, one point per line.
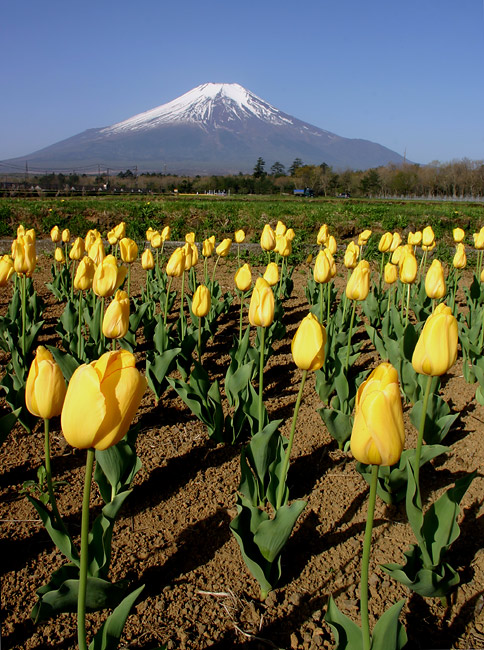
214	128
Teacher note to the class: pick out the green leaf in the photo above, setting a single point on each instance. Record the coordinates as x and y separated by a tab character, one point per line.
389	633
107	637
7	422
438	419
339	424
66	362
272	534
347	634
63	542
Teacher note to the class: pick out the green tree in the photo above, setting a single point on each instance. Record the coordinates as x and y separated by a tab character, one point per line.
278	169
259	169
297	163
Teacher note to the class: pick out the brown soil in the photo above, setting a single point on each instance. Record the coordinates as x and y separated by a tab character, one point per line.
173	535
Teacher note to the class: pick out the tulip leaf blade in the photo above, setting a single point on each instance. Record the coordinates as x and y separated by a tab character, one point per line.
107	637
438	419
272	534
388	631
63	541
347	634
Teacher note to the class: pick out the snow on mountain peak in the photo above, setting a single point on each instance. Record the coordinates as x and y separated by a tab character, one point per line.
215	103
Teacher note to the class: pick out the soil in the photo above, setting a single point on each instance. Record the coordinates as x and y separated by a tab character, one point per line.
173	534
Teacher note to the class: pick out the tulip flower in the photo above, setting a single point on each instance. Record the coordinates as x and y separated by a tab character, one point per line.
331	245
408	268
458	234
436	349
147	260
385	242
358	285
128	249
165	234
188	252
112	239
45	389
190	238
156	239
261	308
239	236
108	277
435	281
323	235
20	230
66	235
208	246
96	251
149	234
6	269
90	238
271	274
322	268
290	234
120	231
116	316
396	241
397	254
84	274
223	248
390	273
59	255
176	263
283	246
428	236
77	249
55	234
308	344
243	278
201	304
280	228
101	401
194	254
351	258
460	258
24	257
268	239
378	433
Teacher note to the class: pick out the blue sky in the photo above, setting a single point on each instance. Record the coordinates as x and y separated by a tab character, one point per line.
408	75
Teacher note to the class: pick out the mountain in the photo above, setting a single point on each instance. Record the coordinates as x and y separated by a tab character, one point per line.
215	128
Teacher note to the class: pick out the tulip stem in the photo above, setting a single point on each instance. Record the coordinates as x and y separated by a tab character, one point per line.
79	326
407	305
81	599
261	375
182	312
321	303
48	476
129	280
328	304
350	334
421	430
283	476
200	339
241	294
456	278
213	274
165	315
24	309
381	272
365	559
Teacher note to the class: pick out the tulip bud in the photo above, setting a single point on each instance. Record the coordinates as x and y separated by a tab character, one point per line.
66	235
268	238
428	236
147	260
261	308
45	389
59	255
290	234
120	231
239	236
116	317
365	236
128	249
350	258
194	252
323	235
396	241
385	242
156	240
201	301
460	258
378	433
165	234
414	238
358	285
20	231
24	258
397	255
77	249
91	237
176	264
309	343
322	270
55	234
84	274
96	251
283	246
149	233
435	281
208	246
243	278
436	349
188	252
112	239
190	238
408	268
479	239
6	269
224	247
271	275
332	263
101	401
458	235
108	277
390	273
280	228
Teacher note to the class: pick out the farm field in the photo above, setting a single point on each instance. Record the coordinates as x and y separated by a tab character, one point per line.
173	532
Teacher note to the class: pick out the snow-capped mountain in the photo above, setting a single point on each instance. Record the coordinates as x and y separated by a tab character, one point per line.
215	128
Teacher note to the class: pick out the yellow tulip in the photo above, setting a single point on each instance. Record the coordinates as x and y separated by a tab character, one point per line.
385	242
396	241
176	264
365	236
6	269
332	263
55	234
165	234
66	236
188	252
101	401
108	277
147	260
290	234
45	389
224	247
112	239
271	274
408	268
429	247
120	230
84	274
458	235
261	308
390	273
59	255
428	236
24	258
435	281
350	258
194	252
436	349
208	246
322	269
149	233
308	344
128	249
116	317
479	240
243	278
280	228
268	238
332	245
91	237
283	246
156	239
323	235
201	301
96	251
77	249
460	257
239	236
358	285
415	238
378	433
190	238
20	231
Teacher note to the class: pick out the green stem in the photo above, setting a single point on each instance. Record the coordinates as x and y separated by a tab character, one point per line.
456	277
81	599
165	315
365	559
24	311
408	305
282	484
321	303
79	326
345	299
213	274
380	279
241	295
261	375
200	339
350	334
48	476
103	340
328	303
129	280
182	313
421	430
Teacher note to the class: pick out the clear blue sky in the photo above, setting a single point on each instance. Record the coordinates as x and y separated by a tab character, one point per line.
407	74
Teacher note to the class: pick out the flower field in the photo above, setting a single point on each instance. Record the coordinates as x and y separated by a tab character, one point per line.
247	482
